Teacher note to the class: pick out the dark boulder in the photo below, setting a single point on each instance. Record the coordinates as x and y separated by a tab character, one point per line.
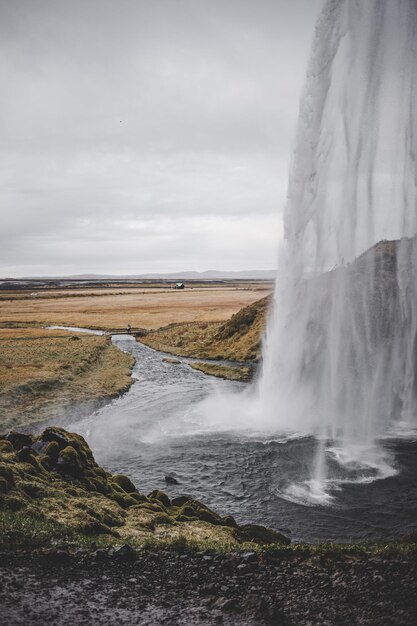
19	440
56	434
260	534
170	480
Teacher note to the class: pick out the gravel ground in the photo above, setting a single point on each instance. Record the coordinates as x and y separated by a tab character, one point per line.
127	587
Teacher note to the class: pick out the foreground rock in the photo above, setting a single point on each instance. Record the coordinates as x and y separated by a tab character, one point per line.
152	588
54	477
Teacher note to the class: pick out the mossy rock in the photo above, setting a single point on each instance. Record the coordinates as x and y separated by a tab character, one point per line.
161	496
230	521
186	518
94	527
4	485
153	507
260	534
98	484
59	435
124	482
33	489
57	478
69	462
123	500
7	473
32	463
19	440
193	509
14	502
52	451
180	500
138	497
163	519
5	446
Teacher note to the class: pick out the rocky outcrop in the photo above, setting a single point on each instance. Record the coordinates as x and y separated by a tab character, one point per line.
54	476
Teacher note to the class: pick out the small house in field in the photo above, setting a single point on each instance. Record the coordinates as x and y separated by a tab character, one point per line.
179	286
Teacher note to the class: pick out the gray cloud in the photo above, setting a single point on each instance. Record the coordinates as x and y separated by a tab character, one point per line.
144	135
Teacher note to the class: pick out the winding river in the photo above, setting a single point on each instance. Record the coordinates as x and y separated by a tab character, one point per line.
155	430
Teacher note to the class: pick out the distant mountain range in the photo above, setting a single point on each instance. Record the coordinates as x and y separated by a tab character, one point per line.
186	275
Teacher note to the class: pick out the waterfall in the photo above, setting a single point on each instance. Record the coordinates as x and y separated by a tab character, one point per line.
340	354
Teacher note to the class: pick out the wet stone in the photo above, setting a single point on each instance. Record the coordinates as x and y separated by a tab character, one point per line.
125	553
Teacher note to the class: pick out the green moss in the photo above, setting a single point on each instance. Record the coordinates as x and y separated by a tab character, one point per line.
124	482
123	500
7	473
93	527
5	446
69	455
14	502
52	451
33	489
161	497
154	507
22	531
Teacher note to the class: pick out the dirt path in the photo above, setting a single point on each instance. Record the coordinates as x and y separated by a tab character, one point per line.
155	588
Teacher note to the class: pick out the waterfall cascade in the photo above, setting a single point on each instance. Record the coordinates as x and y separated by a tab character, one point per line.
340	355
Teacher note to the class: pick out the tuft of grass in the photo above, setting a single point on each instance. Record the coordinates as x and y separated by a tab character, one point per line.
22	531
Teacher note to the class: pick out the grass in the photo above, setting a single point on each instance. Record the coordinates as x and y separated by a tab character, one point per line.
40	377
334	551
240	373
20	531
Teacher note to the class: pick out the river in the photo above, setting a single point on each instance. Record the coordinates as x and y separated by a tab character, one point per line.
155	429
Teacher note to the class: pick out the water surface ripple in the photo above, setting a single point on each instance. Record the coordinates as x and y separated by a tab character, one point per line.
152	431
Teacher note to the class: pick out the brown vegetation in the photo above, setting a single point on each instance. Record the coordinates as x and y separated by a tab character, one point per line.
238	339
238	372
41	376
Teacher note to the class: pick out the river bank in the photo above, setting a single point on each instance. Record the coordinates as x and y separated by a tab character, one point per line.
54	373
237	340
239	589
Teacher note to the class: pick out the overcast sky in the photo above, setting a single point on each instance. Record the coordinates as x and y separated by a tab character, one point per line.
147	135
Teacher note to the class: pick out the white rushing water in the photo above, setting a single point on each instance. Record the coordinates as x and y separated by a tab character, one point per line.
340	352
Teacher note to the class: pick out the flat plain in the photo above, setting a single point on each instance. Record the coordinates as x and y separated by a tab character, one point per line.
145	306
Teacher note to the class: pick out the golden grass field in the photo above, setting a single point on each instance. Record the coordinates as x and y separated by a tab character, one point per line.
145	308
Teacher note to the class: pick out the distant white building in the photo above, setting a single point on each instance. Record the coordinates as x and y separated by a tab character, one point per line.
179	286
